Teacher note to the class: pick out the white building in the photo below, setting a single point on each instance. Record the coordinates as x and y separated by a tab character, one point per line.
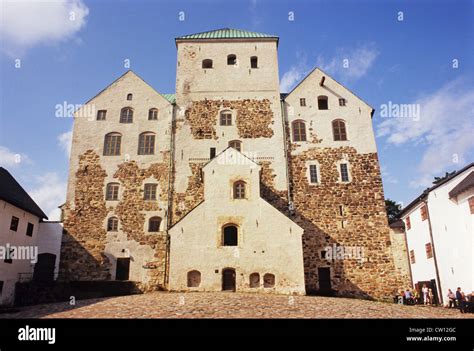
34	245
440	236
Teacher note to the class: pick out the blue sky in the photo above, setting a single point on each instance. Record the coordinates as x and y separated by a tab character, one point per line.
407	61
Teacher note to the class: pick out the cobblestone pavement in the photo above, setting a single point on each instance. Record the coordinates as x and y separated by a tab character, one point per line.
230	305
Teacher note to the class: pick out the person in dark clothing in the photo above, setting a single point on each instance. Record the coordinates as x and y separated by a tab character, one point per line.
458	297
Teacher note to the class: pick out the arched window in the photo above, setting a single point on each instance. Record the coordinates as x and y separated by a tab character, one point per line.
268	280
254	62
226	118
129	97
207	63
112	144
299	131
112	224
153	114
146	143
239	189
236	144
154	224
126	115
254	280
231	59
194	279
339	130
323	102
230	235
111	192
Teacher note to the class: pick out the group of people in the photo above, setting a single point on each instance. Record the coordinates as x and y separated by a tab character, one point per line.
426	297
460	300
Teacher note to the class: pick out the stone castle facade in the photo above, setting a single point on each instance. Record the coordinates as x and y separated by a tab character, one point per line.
228	184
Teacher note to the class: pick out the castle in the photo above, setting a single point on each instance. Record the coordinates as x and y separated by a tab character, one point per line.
228	184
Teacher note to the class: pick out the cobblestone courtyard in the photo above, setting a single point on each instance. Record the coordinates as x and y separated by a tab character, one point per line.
229	305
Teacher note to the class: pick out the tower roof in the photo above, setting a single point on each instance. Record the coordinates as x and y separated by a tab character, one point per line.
227	33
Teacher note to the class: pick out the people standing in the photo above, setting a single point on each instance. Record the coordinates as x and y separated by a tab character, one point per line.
430	296
424	291
458	297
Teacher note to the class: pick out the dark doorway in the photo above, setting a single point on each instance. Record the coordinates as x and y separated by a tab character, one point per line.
123	269
228	279
324	276
431	284
44	268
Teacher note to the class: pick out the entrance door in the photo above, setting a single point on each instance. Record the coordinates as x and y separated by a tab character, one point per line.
228	279
44	268
123	268
324	276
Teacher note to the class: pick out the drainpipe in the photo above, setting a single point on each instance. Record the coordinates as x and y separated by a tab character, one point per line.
170	195
425	202
285	148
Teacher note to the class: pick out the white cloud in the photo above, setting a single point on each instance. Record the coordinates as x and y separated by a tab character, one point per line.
9	158
294	75
65	141
49	193
444	131
27	23
350	64
387	176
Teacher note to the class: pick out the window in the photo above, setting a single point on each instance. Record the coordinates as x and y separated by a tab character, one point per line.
303	102
299	131
313	174
322	102
146	144
111	193
212	152
150	192
408	223
207	63
194	279
226	118
268	280
152	114
126	115
29	229
236	144
239	190
101	115
471	204
344	172
254	280
412	256
429	250
14	223
342	102
154	224
230	235
112	224
424	212
129	97
339	130
254	62
231	59
112	143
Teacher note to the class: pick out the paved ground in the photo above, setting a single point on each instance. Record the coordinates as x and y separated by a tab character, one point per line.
230	305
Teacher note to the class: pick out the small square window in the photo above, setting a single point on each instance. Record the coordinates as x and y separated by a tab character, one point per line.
29	229
342	102
303	102
101	115
150	191
14	223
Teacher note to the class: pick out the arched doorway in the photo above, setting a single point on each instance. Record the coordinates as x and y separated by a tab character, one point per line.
228	279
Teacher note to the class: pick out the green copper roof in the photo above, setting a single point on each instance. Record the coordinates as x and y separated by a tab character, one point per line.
226	33
170	97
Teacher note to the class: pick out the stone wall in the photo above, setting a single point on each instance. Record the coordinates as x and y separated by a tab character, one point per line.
360	222
254	117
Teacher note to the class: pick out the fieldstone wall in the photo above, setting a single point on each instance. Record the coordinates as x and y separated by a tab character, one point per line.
82	249
336	214
254	117
194	194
